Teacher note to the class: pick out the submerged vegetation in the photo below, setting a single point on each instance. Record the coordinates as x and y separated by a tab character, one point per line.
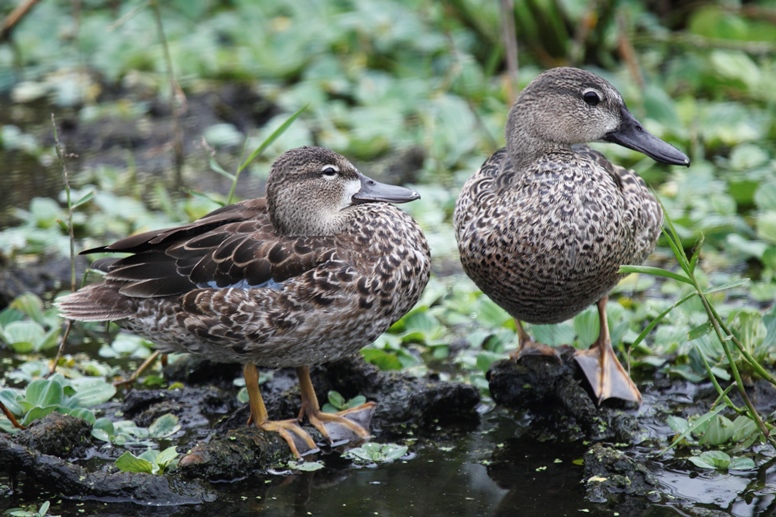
417	92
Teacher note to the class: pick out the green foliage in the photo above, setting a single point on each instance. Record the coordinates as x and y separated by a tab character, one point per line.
43	396
26	327
127	433
338	403
150	462
372	453
30	512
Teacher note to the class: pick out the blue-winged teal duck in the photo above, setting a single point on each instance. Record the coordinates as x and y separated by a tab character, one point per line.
311	273
544	225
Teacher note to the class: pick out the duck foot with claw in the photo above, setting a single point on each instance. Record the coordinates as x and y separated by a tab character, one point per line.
603	371
349	426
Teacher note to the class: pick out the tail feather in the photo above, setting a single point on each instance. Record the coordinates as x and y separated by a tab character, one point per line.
95	303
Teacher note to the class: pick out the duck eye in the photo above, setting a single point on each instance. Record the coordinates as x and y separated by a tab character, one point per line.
329	171
591	97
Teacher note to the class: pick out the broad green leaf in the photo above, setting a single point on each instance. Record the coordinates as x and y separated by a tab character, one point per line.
9	397
93	391
554	335
700	331
44	392
743	426
23	336
128	462
741	464
335	399
306	466
382	359
678	424
701	463
149	455
29	304
766	226
485	359
83	414
164	426
719	431
166	457
719	459
587	326
37	413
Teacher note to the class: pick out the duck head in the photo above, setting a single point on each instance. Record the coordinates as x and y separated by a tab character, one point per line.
310	189
565	106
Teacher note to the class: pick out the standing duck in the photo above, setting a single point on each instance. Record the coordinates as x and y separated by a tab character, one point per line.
312	273
545	224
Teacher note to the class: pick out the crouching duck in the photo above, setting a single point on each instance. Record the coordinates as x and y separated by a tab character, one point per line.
312	273
545	224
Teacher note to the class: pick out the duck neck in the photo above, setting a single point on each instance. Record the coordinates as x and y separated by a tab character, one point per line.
295	221
525	144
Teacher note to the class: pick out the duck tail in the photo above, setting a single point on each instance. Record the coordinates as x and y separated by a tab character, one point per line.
99	302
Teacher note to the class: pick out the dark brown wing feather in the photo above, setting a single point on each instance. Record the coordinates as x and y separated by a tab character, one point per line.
233	246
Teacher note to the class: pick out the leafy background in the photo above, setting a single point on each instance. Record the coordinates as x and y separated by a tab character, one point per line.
415	92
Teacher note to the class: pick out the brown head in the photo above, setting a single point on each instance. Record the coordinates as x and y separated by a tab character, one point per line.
310	189
565	106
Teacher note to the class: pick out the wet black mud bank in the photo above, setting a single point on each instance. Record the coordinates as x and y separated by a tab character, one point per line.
546	449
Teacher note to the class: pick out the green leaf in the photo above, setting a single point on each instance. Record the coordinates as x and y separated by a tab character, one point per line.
29	304
336	400
164	426
306	466
678	424
128	462
701	463
587	326
37	413
9	397
83	414
382	359
84	199
166	457
741	464
743	427
44	392
719	431
23	336
485	359
656	271
700	331
93	391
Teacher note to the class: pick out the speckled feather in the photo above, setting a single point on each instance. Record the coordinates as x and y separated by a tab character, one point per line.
546	239
231	288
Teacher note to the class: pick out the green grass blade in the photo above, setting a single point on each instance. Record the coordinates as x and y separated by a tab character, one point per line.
656	271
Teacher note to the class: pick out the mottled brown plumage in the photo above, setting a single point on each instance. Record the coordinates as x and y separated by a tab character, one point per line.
545	224
314	272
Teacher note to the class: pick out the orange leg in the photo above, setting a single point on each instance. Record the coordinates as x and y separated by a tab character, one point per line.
602	369
299	441
528	346
350	424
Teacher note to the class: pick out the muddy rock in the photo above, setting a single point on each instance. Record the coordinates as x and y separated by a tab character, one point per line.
405	405
553	394
234	455
63	436
73	481
611	474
